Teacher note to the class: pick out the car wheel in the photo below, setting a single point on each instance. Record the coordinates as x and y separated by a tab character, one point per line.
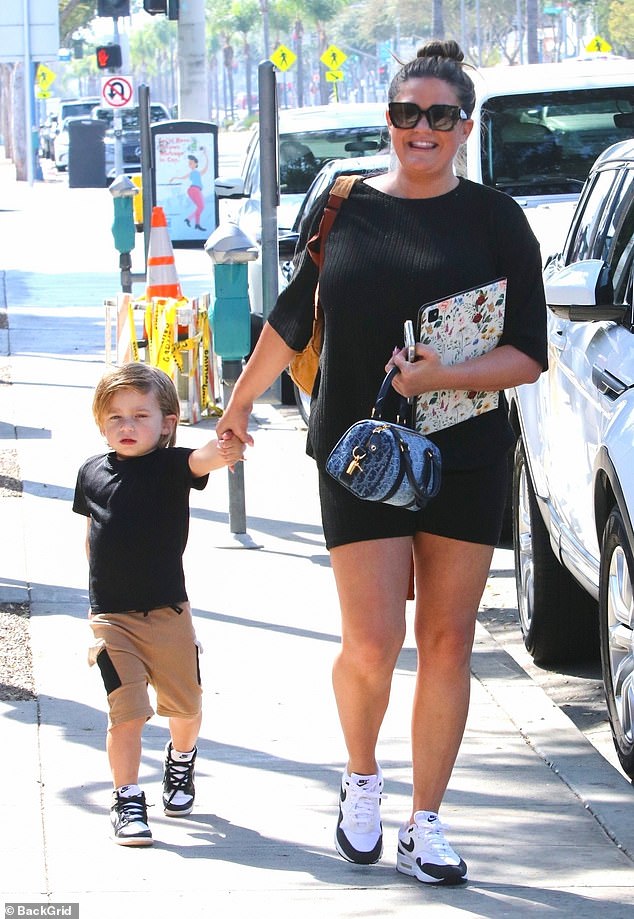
558	619
616	626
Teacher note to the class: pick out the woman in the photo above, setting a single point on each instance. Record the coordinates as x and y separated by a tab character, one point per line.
402	239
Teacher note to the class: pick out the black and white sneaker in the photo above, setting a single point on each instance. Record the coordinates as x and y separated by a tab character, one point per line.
128	815
178	782
359	834
424	853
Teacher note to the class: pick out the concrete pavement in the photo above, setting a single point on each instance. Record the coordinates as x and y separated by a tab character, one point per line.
545	823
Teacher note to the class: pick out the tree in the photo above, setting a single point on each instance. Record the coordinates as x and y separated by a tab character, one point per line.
621	26
74	15
245	14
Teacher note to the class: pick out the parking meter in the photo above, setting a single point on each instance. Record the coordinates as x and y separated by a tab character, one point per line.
123	191
230	249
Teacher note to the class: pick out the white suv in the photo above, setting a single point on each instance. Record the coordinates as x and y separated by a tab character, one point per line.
573	482
538	129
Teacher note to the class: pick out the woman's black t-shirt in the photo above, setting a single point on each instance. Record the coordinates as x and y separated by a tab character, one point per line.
384	258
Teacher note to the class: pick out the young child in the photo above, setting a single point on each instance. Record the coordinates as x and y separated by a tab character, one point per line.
136	499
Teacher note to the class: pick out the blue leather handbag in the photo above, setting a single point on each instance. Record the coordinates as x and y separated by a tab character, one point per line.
387	462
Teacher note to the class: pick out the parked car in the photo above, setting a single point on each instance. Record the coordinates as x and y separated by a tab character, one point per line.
308	139
68	108
131	135
61	144
573	482
539	128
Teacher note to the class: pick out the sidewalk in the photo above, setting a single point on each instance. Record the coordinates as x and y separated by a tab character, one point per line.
545	823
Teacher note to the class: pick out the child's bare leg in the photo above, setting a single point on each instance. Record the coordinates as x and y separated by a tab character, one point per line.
184	732
180	756
123	746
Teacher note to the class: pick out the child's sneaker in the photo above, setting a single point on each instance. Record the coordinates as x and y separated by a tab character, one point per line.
359	835
128	816
424	853
178	782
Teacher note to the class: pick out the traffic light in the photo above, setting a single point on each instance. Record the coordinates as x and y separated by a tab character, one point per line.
112	9
108	57
167	8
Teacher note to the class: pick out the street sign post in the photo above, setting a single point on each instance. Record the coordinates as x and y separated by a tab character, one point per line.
332	58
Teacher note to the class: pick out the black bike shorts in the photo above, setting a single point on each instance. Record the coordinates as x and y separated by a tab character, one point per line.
469	507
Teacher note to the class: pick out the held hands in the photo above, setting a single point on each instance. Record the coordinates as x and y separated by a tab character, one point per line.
235	421
230	449
422	375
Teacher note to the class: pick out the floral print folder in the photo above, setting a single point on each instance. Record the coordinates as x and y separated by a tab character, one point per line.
460	327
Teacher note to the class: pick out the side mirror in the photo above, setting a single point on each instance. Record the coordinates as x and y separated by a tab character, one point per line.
583	292
229	187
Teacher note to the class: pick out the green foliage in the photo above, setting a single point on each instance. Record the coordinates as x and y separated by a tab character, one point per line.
621	26
73	15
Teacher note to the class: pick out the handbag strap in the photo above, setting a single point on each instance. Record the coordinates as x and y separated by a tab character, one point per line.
340	190
404	410
423	490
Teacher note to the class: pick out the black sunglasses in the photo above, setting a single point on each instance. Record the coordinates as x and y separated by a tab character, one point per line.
439	117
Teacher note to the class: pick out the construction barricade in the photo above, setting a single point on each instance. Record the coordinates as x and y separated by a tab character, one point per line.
173	335
166	329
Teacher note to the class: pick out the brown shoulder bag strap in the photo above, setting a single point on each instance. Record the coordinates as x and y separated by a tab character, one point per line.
338	193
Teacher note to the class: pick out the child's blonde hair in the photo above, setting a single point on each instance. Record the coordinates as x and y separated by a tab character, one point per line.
144	379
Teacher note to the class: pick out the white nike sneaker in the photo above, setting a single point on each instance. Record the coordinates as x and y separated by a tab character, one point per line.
424	853
359	835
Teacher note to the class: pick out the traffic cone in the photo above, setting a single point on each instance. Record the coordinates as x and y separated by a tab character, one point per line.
162	280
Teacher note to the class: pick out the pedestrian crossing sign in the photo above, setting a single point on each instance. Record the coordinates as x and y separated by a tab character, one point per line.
283	57
333	57
598	44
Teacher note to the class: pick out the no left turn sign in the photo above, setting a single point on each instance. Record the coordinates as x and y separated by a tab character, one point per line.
117	92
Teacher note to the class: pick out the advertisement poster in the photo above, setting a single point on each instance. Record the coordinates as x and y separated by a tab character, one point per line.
185	167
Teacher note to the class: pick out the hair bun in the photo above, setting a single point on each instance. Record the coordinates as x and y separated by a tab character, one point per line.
447	49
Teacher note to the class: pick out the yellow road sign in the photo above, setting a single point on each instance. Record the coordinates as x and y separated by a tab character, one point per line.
332	76
283	57
44	76
333	57
598	44
43	94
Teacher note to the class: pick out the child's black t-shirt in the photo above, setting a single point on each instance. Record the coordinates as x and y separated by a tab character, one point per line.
139	510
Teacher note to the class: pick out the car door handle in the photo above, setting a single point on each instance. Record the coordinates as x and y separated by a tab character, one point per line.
607	383
558	340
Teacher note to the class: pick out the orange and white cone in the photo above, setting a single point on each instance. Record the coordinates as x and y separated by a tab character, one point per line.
162	280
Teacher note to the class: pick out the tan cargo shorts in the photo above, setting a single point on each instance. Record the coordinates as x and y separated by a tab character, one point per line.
158	648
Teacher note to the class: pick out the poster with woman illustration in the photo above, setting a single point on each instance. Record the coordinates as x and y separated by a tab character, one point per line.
185	166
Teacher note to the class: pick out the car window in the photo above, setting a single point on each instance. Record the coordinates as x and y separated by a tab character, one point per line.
546	142
588	235
622	254
251	168
303	154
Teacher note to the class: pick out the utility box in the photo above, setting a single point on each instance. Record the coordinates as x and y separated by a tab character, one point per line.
86	153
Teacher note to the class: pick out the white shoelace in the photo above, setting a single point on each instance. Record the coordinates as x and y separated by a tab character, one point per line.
363	804
432	835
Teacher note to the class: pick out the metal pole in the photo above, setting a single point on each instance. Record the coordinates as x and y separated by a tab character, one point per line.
147	162
270	196
237	511
28	92
117	120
